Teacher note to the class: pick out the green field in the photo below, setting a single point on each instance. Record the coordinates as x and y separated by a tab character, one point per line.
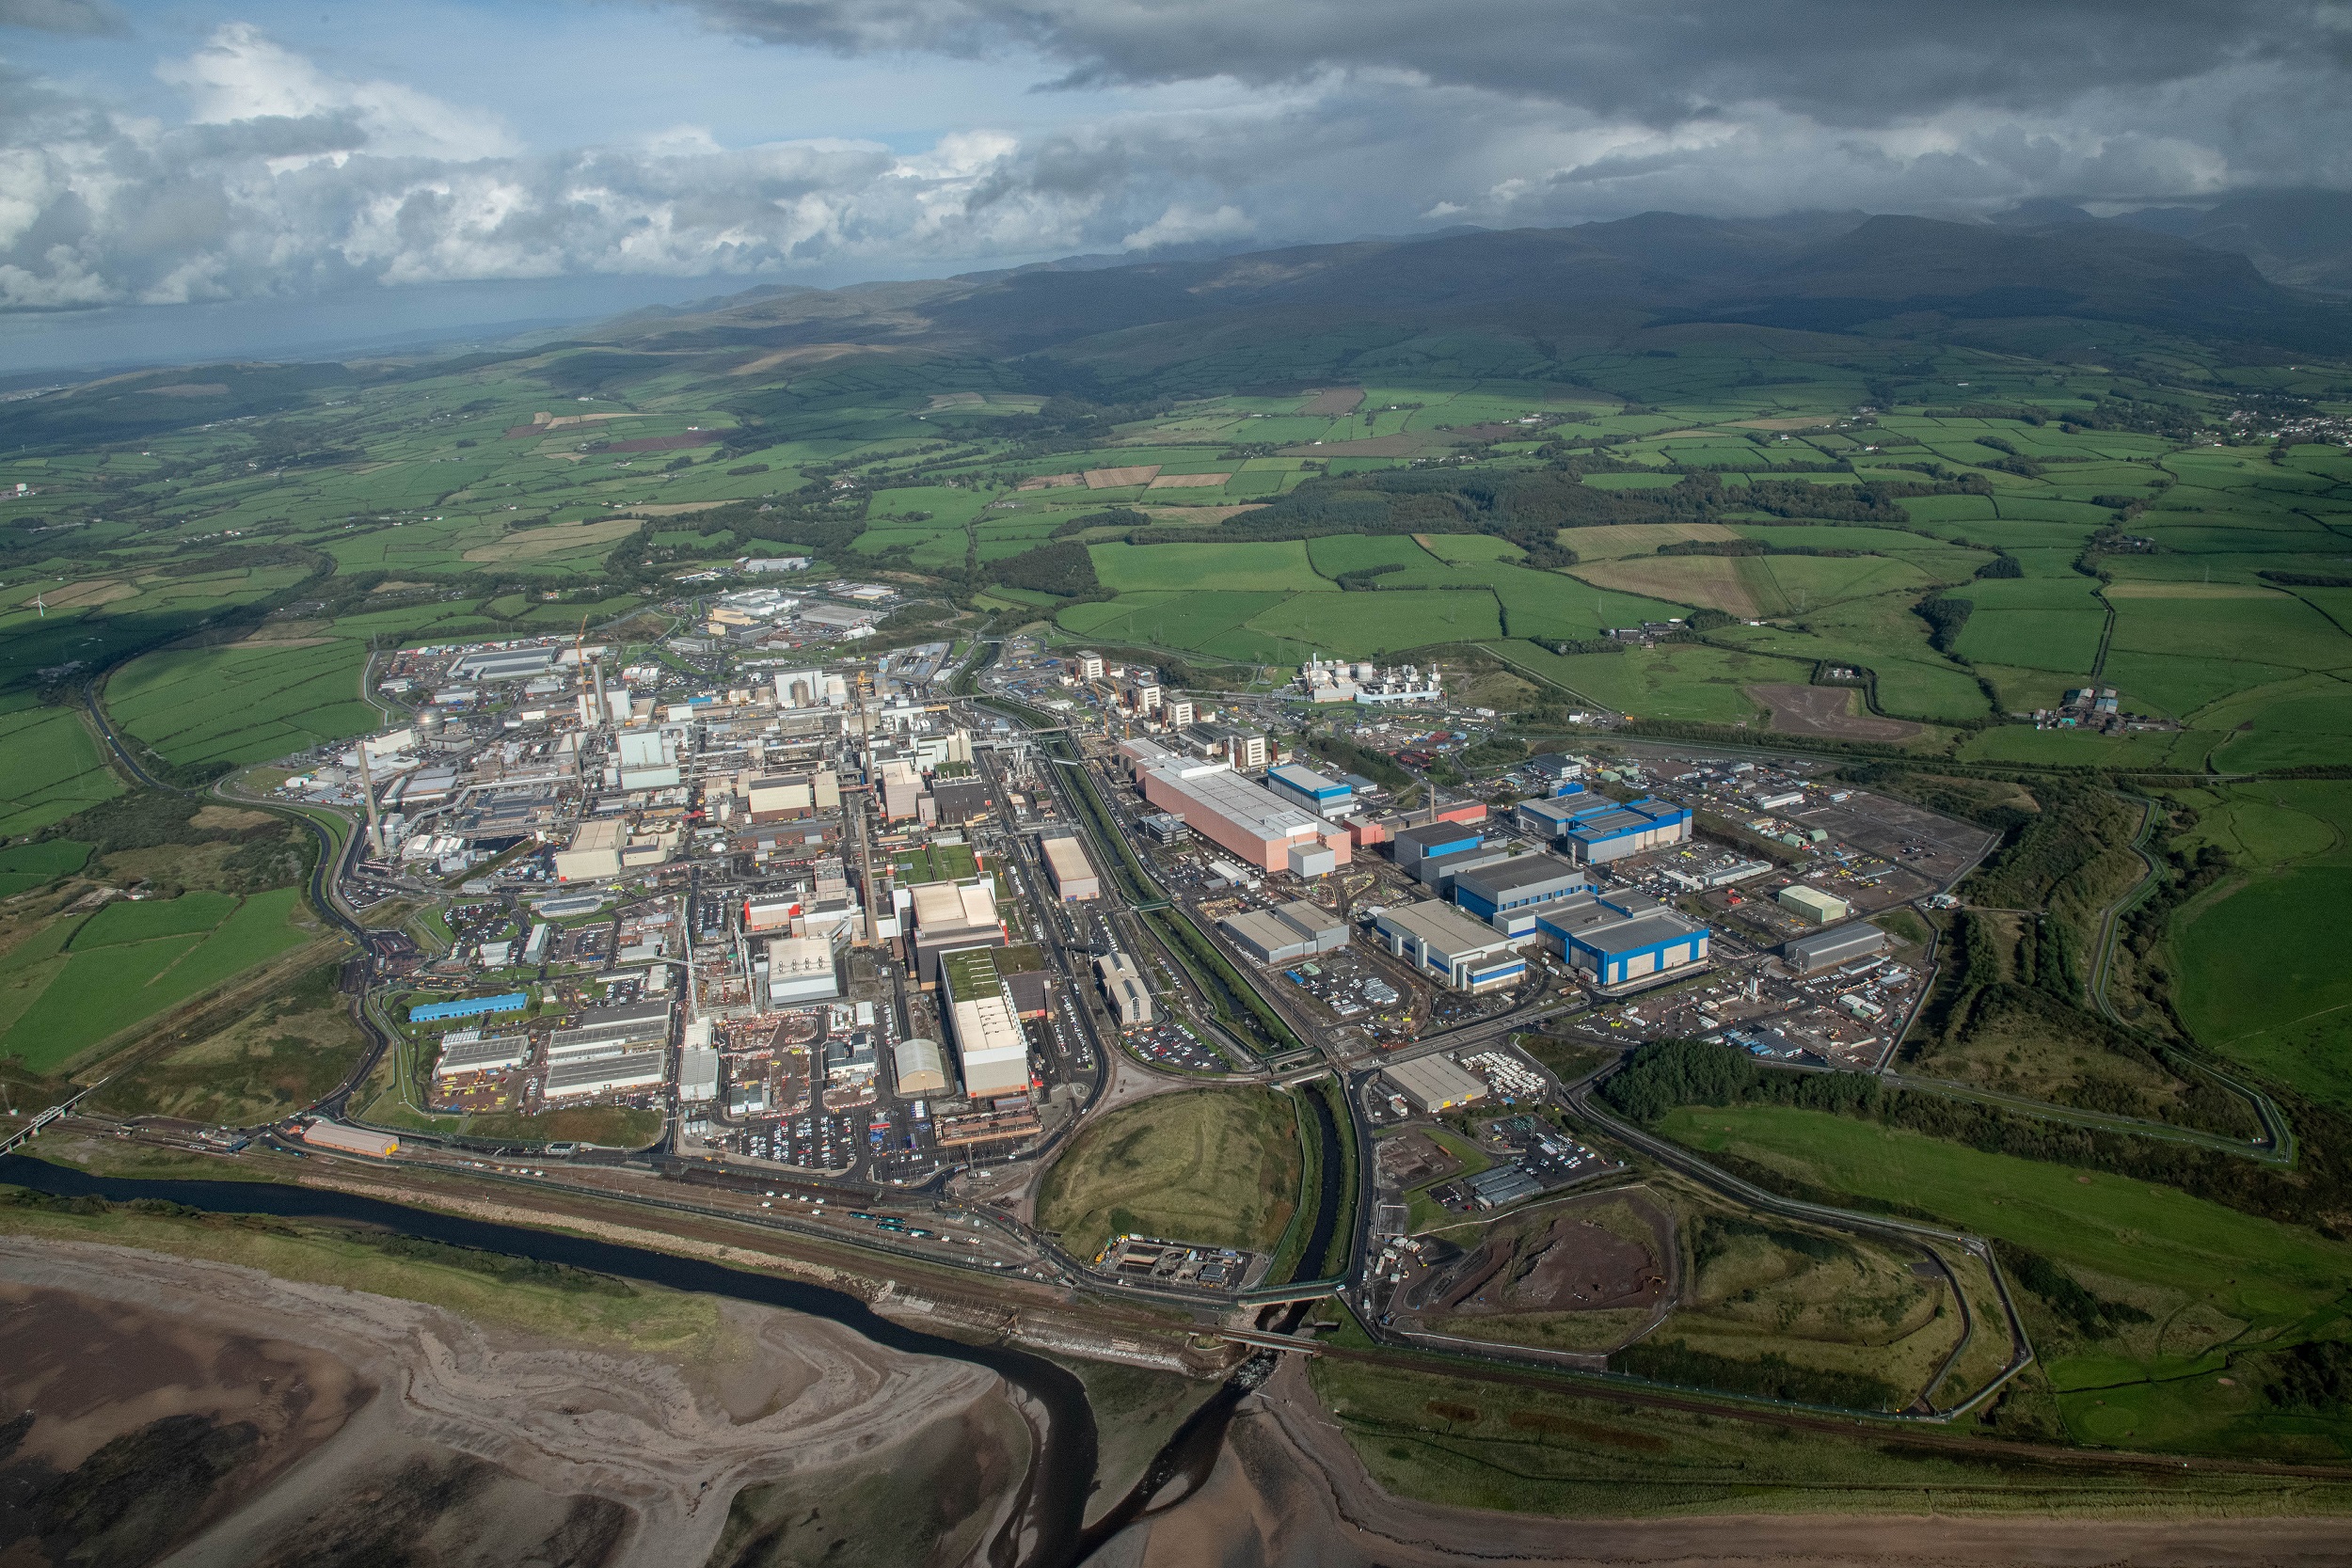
1694	682
2109	1223
2261	979
1357	625
243	703
1427	1431
278	1057
1215	1166
52	765
162	917
58	999
2060	640
24	866
1335	554
1184	568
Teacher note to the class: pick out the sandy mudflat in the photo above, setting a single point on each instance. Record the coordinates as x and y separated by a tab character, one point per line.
1290	1493
386	1419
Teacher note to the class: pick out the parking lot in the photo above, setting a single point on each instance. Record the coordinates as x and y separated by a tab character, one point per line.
814	1142
1345	986
901	1144
1173	1047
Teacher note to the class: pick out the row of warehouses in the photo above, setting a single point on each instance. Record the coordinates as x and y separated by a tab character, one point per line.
1495	900
1492	901
608	1051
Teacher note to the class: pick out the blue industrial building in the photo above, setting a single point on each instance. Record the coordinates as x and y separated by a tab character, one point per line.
1505	892
1595	830
471	1006
1446	943
1414	845
1606	831
1620	938
1305	788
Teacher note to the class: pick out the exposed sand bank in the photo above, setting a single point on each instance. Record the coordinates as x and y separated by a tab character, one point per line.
377	1416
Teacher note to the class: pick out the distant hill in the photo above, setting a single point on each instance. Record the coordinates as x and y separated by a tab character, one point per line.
1584	286
2300	238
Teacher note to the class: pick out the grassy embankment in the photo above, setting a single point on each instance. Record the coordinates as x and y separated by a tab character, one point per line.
1220	1167
2202	1297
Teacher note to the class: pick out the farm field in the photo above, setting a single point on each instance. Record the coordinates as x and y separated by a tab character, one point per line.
1215	1166
53	768
60	997
245	702
280	1057
1704	684
36	862
2261	978
448	500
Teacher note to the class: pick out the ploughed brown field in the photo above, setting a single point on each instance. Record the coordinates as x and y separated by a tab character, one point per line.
1827	710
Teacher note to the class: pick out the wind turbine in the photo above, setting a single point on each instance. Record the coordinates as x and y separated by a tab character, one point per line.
40	606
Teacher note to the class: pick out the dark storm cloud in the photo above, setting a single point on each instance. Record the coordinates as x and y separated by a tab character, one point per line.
1659	62
88	18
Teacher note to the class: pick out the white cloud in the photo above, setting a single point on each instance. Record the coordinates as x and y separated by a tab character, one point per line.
1182	224
241	76
283	178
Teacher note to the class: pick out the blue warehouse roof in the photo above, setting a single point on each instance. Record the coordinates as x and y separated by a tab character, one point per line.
473	1007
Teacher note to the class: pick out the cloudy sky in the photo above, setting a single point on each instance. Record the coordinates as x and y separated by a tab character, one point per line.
425	162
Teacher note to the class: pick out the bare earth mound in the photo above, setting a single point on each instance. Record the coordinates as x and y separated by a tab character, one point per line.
1827	710
1579	1266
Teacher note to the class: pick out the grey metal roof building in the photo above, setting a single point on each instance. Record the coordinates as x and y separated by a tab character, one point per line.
504	664
635	1070
631	1016
494	1054
1443	941
607	1031
1433	1083
1494	890
921	1066
1123	988
1819	950
1503	1185
1294	930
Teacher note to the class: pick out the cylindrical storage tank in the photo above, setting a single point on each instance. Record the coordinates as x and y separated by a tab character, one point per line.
1367	671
